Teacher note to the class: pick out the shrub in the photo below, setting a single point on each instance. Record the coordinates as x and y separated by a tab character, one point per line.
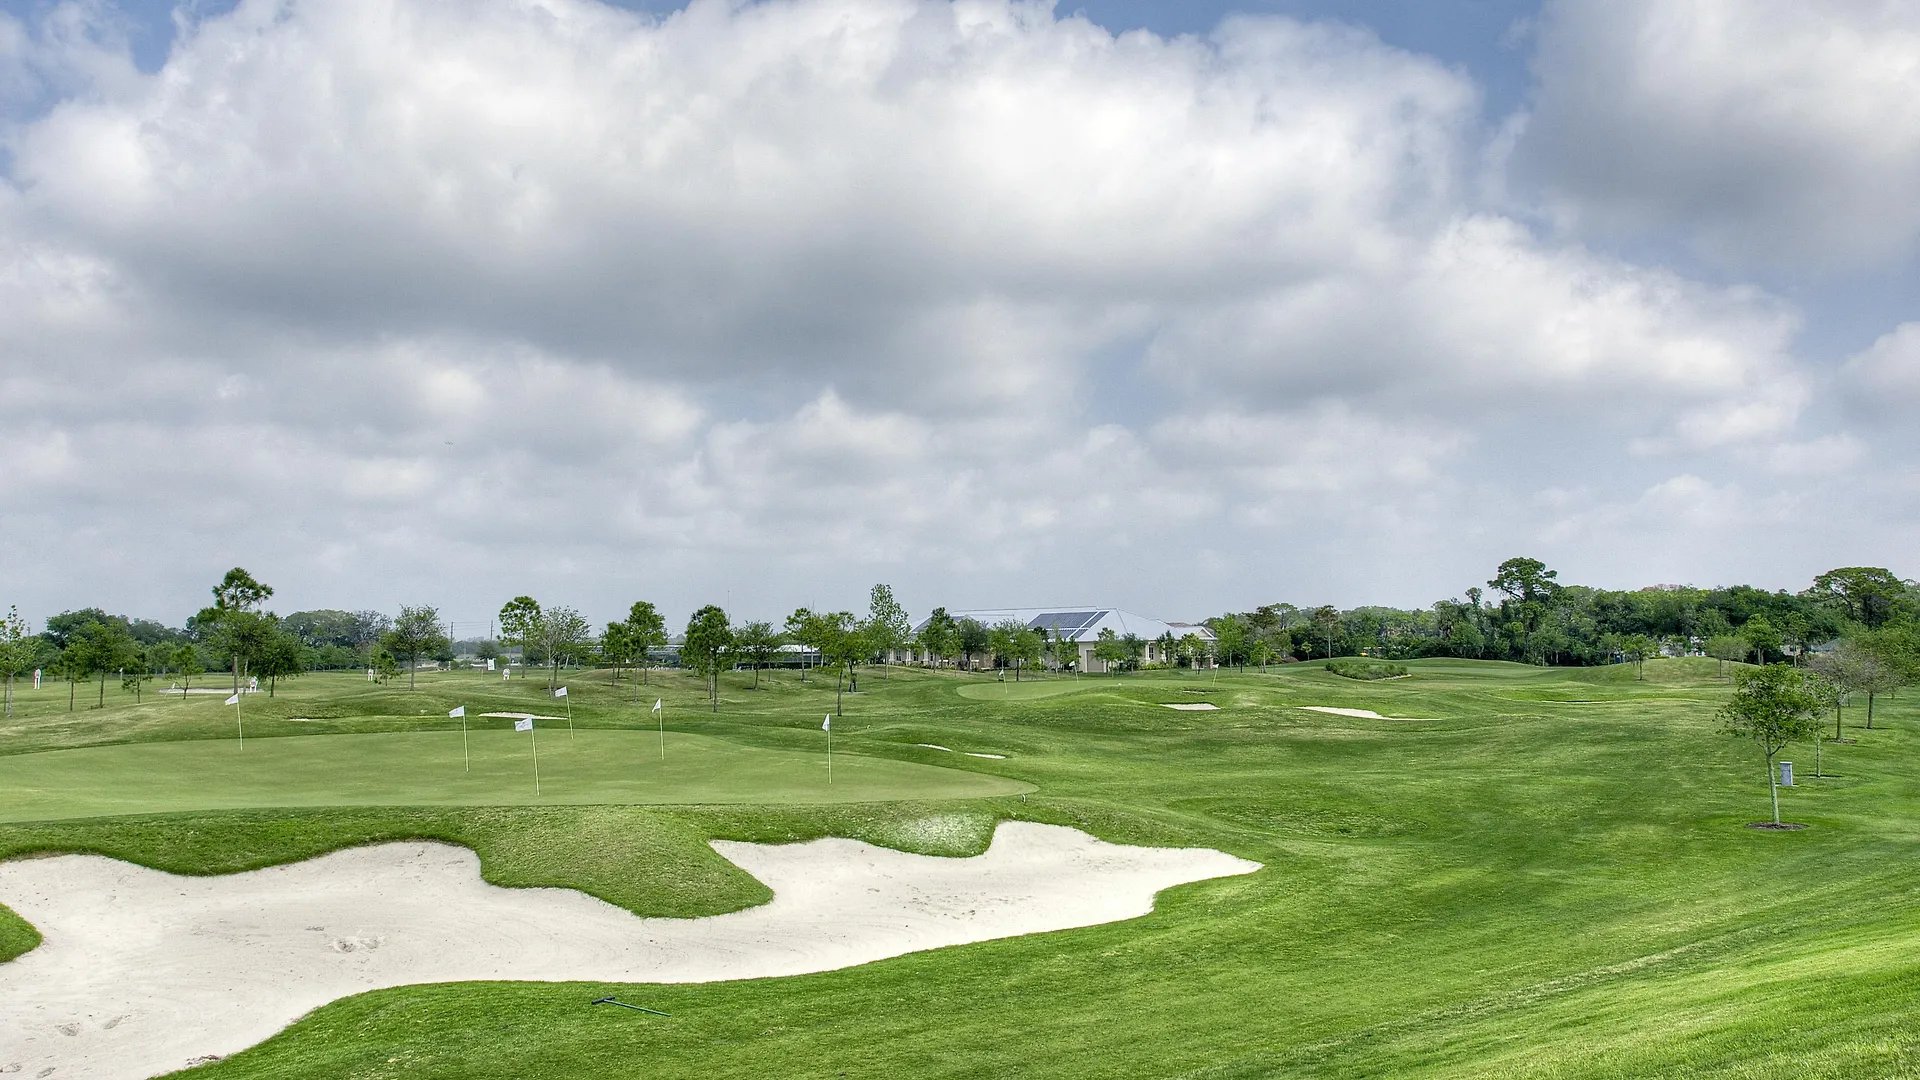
1366	669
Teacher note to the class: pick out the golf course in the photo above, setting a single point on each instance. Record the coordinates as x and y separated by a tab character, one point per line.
1549	874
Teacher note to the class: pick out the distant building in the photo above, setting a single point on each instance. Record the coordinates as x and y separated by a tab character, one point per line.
1082	626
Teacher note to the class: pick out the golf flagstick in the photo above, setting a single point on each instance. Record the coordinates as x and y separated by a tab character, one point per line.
461	712
663	728
562	692
527	726
827	726
235	702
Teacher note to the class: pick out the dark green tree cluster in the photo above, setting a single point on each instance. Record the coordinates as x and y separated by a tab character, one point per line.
1527	614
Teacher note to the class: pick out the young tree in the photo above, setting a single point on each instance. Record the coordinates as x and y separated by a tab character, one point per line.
522	623
1000	639
186	661
1024	647
568	639
19	648
842	644
1062	650
1108	650
804	628
616	649
1135	647
937	636
647	631
759	642
708	642
1773	706
887	623
1230	639
416	633
1725	647
1637	648
972	637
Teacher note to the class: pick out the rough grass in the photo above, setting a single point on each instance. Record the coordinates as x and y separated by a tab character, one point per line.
1553	881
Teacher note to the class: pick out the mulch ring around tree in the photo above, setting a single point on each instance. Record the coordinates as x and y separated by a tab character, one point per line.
1774	826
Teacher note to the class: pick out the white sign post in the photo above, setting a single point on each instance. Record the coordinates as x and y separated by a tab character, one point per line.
827	726
662	717
238	725
562	692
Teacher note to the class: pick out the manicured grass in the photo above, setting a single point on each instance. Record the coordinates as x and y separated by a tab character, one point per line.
432	769
1553	880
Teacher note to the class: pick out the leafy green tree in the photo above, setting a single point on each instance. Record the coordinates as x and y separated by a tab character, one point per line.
1762	638
522	623
234	624
842	645
1000	640
415	634
1774	707
938	636
805	628
102	648
1062	650
1725	647
567	638
616	649
1869	595
283	657
887	624
1637	648
706	647
1326	626
1108	650
759	642
647	631
972	637
1024	646
19	648
1530	589
1231	639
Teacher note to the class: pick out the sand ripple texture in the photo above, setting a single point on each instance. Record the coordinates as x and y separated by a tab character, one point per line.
142	972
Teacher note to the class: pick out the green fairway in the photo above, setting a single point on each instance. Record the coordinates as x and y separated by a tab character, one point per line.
1553	881
429	769
1024	691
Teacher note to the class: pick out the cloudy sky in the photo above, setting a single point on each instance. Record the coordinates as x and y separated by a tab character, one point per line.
1180	306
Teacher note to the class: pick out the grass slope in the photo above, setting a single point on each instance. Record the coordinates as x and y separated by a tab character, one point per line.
1551	881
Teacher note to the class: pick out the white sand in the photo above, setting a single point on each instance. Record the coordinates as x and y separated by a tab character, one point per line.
1192	706
996	757
934	746
1368	714
143	972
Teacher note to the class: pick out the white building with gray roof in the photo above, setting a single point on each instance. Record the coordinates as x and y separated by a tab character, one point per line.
1082	626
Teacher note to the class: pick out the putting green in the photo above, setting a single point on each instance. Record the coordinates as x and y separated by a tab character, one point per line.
427	769
1025	691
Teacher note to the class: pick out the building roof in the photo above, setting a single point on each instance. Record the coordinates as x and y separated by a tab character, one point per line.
1079	622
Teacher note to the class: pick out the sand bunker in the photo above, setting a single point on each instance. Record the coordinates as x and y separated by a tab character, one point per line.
1367	714
1192	706
143	972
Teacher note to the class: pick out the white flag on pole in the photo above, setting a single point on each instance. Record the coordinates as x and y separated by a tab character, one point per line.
457	713
523	725
562	692
656	705
234	700
827	724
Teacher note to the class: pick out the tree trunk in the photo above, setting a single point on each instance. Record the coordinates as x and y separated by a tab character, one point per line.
1773	788
1869	710
412	663
1836	721
70	685
102	703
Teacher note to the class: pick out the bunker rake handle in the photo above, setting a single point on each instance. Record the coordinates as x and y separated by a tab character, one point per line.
624	1005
